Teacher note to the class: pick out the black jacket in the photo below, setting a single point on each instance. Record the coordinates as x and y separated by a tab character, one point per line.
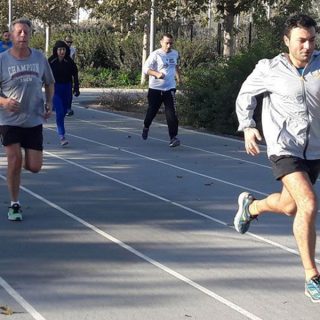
64	71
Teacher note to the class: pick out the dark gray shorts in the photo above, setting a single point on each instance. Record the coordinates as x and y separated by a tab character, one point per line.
28	138
283	165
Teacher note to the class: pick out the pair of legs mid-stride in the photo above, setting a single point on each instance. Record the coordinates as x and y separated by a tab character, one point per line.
23	147
297	199
155	99
61	101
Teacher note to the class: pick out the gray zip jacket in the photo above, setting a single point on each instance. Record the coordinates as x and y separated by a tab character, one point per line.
291	106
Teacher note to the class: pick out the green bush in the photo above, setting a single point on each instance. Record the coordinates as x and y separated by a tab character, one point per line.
107	78
38	41
211	91
195	53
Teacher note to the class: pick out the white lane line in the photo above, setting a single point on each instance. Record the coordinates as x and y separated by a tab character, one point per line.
137	253
16	296
164	163
179	205
184	145
162	125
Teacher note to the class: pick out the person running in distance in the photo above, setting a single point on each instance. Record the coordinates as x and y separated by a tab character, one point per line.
23	72
162	68
290	83
65	72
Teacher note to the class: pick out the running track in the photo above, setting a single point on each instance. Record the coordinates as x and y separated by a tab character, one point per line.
117	228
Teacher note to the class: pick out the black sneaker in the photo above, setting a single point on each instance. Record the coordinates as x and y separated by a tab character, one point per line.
174	142
70	113
145	132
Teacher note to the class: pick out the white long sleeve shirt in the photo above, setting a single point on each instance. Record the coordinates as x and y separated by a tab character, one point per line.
166	63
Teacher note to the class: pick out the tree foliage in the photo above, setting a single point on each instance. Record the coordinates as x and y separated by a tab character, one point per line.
135	14
49	12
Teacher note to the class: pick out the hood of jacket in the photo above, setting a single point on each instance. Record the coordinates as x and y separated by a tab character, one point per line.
60	44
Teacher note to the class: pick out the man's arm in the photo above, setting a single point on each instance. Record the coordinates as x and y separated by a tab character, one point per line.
150	66
156	74
49	91
178	74
246	104
246	101
9	104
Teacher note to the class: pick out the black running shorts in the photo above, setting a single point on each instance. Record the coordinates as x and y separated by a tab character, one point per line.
28	138
283	165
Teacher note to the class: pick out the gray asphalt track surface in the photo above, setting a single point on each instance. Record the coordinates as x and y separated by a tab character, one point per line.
117	228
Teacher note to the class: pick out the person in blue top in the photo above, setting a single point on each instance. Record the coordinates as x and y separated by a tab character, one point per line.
6	43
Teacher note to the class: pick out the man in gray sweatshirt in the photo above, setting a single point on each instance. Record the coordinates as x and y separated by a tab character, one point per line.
23	73
290	84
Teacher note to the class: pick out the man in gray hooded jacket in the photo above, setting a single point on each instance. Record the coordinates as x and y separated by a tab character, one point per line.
290	84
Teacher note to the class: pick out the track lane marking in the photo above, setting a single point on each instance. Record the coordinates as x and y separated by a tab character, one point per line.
135	252
20	300
165	163
179	205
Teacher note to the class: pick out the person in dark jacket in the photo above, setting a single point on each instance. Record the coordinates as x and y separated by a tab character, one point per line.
65	72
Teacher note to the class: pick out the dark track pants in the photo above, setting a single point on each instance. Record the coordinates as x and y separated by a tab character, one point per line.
168	98
61	101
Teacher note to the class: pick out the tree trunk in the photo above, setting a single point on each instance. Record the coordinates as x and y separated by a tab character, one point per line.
228	21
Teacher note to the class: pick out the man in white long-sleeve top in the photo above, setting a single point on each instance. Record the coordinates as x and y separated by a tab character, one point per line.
290	83
162	68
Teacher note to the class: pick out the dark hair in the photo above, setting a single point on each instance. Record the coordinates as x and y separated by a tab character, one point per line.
168	35
60	44
298	20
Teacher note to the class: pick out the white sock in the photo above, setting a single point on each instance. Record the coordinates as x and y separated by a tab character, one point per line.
13	202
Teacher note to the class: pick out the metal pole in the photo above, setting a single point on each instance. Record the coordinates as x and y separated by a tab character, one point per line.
210	15
152	28
47	40
9	13
144	53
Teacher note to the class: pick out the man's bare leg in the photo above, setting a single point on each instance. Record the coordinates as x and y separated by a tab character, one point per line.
300	202
304	221
14	158
33	160
280	202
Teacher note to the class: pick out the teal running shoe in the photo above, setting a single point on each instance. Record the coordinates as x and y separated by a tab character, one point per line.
312	289
14	213
243	217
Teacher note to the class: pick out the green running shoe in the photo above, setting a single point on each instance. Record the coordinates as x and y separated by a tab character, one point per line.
14	213
243	217
312	289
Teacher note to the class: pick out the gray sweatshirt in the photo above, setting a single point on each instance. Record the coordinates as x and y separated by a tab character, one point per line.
291	106
22	79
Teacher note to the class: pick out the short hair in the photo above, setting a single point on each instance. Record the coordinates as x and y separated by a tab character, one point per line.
168	35
298	20
22	21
